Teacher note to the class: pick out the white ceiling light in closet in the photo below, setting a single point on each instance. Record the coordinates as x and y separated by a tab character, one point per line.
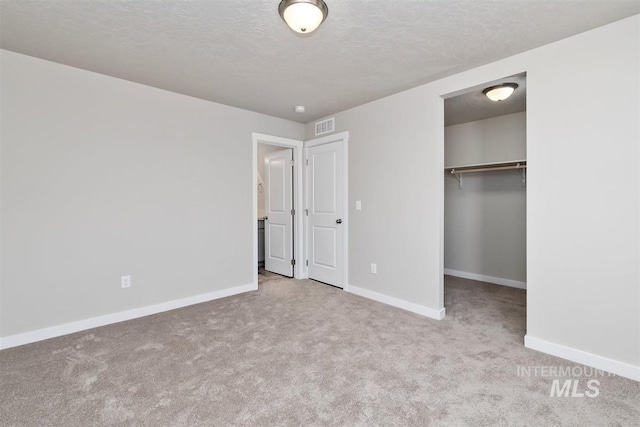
500	92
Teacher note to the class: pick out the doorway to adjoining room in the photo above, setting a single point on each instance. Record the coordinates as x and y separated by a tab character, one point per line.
275	212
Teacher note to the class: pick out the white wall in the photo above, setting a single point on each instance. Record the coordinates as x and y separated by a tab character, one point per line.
387	173
102	177
498	139
583	190
485	222
583	213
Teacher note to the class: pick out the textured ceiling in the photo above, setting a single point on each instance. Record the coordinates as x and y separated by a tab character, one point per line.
474	105
240	53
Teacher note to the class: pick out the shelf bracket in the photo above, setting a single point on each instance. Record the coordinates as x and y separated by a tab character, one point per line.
459	178
524	177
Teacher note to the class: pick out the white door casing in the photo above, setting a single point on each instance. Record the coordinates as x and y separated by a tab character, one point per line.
326	213
278	222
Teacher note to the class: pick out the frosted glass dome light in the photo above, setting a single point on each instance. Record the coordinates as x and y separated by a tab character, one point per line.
500	92
303	16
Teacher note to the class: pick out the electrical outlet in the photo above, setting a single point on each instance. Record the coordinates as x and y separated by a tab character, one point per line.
125	281
358	205
374	268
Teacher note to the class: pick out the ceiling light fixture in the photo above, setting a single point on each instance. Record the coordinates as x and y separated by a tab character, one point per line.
299	109
303	16
500	92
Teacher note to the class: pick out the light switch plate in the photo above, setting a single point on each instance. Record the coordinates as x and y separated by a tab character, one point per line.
358	205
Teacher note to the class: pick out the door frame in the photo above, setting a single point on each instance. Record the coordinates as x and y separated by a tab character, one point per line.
298	200
336	137
459	89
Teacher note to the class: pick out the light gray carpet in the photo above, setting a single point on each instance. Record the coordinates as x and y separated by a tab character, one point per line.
303	353
265	276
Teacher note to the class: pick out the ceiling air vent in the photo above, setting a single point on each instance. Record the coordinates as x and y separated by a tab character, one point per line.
326	126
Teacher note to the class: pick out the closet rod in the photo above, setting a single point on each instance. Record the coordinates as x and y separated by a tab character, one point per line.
501	168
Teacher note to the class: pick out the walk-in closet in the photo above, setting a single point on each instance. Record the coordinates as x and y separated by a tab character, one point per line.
485	184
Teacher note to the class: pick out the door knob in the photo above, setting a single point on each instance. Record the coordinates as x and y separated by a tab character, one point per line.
266	218
338	221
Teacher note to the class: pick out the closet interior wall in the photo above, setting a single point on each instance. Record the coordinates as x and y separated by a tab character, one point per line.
485	221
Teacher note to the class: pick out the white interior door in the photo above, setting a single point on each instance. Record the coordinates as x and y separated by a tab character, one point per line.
278	224
326	213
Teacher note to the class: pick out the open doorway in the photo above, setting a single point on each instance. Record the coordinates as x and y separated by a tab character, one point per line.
485	208
283	158
275	212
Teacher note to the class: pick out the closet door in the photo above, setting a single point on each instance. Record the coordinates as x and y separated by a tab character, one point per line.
326	213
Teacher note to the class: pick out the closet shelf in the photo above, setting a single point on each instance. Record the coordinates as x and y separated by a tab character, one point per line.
486	167
457	171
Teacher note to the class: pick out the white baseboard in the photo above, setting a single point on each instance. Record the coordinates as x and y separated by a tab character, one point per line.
94	322
405	305
488	279
578	356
